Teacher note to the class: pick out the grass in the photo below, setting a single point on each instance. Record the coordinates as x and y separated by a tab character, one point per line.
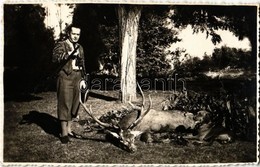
38	141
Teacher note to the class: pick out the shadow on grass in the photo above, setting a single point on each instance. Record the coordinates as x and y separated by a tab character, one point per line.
102	97
50	124
47	122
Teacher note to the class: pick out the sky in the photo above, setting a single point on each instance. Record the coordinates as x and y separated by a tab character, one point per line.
197	44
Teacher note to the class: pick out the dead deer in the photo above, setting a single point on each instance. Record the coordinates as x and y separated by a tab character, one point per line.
123	131
143	122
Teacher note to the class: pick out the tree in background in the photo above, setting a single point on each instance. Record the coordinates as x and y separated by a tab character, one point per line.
27	44
25	31
241	20
155	36
58	17
109	59
128	17
221	58
231	57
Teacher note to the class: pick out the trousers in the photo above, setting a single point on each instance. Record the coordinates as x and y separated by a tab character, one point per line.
68	95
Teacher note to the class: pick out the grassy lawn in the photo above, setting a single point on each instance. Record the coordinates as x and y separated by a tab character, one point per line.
38	142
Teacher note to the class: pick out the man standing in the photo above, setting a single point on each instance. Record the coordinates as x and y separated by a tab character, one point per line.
70	54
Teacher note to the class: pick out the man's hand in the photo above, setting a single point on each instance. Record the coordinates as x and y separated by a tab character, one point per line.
83	84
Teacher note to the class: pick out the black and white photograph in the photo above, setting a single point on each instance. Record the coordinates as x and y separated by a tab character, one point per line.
130	83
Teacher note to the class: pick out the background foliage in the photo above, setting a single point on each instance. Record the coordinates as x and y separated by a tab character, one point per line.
153	40
221	58
208	19
28	43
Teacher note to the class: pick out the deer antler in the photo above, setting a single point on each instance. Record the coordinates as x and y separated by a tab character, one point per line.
90	113
122	131
132	105
142	116
143	99
137	121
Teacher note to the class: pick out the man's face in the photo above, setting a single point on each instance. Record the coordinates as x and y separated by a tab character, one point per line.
74	34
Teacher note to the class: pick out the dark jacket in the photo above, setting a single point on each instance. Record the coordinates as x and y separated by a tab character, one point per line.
61	53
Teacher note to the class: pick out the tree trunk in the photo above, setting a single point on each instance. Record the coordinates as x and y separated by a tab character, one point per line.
129	16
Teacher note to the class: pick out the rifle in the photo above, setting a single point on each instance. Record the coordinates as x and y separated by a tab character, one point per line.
44	81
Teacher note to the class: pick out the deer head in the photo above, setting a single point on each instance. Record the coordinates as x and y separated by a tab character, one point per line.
123	131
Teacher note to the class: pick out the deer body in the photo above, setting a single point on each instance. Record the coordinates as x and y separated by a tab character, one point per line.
141	120
160	121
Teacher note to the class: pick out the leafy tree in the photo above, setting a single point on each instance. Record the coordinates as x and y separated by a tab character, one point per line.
241	20
153	40
25	31
109	59
220	59
28	44
232	57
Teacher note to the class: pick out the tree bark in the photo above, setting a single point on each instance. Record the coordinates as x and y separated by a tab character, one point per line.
129	16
